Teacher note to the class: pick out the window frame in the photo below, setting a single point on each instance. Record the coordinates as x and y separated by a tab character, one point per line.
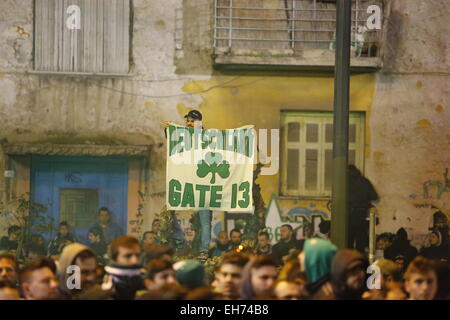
322	118
39	67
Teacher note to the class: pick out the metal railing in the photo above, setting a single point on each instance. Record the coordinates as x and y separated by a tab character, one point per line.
297	25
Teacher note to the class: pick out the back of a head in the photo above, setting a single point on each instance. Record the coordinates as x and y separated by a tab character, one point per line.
155	251
353	171
325	226
319	254
401	236
291	271
190	273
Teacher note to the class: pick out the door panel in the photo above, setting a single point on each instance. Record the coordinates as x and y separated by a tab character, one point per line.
74	188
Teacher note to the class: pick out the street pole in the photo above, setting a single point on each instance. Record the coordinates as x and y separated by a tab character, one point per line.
340	215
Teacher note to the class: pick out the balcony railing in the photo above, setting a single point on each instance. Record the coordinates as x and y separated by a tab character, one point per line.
293	26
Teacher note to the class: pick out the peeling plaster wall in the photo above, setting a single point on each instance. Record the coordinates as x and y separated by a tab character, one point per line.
406	103
409	123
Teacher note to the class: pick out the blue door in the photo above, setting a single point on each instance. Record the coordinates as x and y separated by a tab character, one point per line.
74	188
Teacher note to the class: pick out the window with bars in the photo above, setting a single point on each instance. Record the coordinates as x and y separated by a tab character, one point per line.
306	151
82	36
293	25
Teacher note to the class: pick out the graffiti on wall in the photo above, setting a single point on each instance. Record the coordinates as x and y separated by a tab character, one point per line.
441	186
303	215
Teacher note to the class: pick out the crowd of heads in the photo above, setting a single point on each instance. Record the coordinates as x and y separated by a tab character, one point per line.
128	268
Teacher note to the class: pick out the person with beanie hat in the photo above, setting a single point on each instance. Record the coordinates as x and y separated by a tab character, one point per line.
315	260
190	273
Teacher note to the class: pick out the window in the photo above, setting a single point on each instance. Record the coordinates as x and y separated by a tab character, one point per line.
307	151
86	36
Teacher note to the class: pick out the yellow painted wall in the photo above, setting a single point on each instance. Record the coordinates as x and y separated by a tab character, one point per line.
258	99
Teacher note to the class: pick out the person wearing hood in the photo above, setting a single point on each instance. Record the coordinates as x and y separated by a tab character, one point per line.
77	254
125	271
348	274
401	247
435	250
315	260
361	196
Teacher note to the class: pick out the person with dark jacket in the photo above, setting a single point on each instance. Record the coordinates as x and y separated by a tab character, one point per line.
63	238
315	260
436	249
10	242
263	245
125	270
111	229
286	243
97	243
222	245
348	275
361	194
401	247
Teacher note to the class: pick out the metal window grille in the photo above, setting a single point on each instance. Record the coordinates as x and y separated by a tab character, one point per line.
290	24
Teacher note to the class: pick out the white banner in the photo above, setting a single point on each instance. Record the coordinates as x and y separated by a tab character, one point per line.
210	169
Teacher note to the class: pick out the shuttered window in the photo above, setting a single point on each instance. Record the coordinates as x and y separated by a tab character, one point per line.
98	43
307	151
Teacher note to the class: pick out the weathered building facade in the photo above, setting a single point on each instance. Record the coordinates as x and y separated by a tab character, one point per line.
81	101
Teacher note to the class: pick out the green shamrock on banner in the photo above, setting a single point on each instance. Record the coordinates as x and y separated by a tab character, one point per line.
213	164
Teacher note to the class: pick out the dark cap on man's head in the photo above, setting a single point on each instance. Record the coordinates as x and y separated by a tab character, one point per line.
194	114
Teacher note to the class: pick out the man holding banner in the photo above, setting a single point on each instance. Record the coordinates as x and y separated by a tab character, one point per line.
209	170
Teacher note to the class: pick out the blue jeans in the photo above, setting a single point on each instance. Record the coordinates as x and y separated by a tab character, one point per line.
205	222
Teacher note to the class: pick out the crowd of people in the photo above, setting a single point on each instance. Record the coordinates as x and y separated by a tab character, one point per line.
126	268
